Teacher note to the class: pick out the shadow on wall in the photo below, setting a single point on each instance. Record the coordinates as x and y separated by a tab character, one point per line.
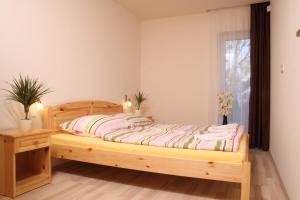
11	113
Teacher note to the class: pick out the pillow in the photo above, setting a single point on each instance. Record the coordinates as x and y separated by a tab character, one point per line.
95	125
135	120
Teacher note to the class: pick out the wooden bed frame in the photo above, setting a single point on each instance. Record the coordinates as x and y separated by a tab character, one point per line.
238	172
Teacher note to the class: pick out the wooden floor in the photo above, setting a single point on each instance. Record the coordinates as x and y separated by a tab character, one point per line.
82	181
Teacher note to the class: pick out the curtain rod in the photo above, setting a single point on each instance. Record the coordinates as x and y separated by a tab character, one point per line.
216	9
239	6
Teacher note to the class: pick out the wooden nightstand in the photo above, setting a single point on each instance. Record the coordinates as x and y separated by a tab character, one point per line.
25	162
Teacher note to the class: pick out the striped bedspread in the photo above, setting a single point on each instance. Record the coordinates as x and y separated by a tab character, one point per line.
176	136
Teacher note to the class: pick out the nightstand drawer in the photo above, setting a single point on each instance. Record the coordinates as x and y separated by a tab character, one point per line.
31	142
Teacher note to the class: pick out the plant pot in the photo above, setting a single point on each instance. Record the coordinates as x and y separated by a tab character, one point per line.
25	124
138	112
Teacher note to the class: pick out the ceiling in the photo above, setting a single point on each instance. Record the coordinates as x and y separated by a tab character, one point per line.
151	9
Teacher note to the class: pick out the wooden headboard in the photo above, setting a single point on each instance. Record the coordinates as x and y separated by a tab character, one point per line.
53	116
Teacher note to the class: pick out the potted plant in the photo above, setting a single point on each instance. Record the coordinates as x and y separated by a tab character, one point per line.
139	99
26	91
225	102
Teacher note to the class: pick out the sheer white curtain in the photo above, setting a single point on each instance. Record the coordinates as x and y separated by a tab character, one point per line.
230	60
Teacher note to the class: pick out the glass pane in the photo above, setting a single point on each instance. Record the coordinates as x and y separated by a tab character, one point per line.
237	78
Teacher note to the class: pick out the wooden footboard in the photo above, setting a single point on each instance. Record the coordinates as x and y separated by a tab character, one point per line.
221	171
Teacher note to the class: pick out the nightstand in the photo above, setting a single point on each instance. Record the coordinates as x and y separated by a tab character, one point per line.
25	162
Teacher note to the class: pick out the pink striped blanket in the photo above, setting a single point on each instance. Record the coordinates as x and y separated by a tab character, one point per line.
180	136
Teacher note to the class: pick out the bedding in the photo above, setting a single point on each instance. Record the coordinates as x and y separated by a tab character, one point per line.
178	136
131	129
94	125
135	120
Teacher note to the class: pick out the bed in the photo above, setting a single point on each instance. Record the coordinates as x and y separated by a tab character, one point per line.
214	165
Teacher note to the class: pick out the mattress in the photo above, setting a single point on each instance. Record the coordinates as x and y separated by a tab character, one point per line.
97	143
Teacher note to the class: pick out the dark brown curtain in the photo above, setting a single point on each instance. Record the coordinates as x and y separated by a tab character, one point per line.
259	110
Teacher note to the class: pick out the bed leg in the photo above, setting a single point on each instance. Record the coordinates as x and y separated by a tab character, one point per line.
245	187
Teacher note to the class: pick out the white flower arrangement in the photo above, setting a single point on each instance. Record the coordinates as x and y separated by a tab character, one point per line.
225	101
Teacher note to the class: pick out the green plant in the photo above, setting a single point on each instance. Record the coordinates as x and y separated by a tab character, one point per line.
26	91
139	98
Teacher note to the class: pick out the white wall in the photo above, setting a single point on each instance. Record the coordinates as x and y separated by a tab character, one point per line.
180	68
175	70
285	95
80	49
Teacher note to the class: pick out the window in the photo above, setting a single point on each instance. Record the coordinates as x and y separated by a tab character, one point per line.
236	73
